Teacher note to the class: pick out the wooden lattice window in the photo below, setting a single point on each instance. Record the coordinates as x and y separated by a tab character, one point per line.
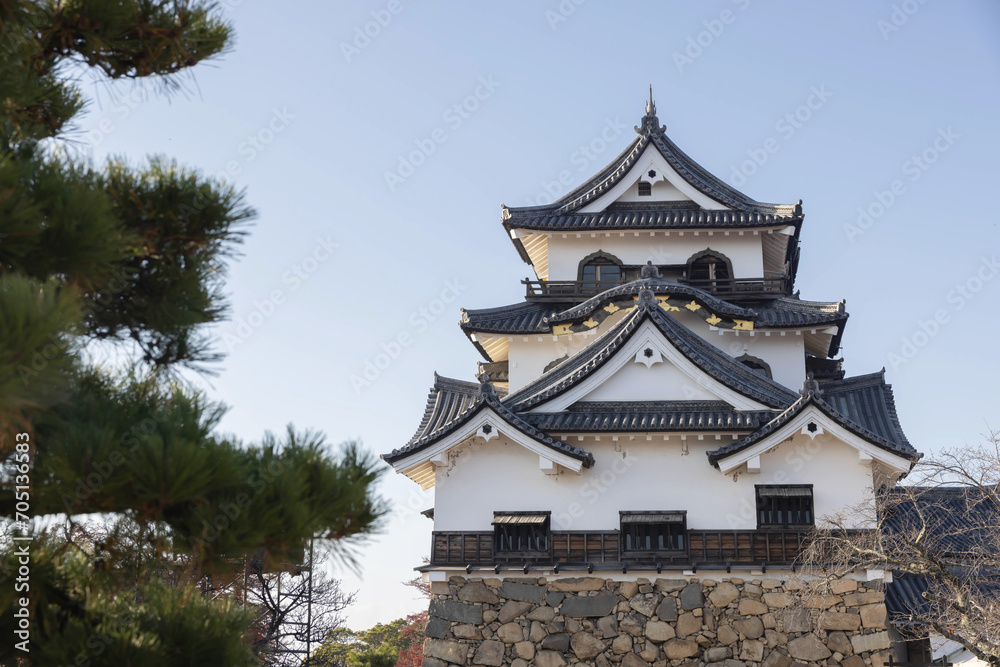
522	533
784	506
645	189
653	532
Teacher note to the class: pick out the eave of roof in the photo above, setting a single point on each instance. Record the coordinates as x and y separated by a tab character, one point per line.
811	396
648	416
640	217
527	317
460	408
706	356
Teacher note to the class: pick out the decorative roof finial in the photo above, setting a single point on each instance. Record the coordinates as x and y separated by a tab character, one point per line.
650	123
649	270
811	386
486	388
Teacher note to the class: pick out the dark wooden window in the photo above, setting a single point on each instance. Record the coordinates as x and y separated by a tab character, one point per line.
645	189
600	272
755	364
918	652
653	532
524	533
709	267
789	506
710	270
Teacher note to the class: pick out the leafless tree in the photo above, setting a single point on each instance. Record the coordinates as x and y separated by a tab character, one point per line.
291	610
940	533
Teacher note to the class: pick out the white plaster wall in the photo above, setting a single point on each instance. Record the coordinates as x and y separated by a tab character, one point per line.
529	355
644	475
565	254
954	652
662	191
660	382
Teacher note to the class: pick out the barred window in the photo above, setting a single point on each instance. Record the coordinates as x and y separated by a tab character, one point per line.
784	506
653	531
645	189
521	532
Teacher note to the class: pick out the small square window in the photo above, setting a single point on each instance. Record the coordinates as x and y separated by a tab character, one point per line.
645	189
653	532
521	533
789	506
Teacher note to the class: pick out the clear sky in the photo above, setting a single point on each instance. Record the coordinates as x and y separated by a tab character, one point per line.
838	104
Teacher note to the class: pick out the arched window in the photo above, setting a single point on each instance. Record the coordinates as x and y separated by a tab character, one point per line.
598	272
645	189
710	270
756	364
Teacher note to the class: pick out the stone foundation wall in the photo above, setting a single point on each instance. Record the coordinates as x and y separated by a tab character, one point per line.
643	623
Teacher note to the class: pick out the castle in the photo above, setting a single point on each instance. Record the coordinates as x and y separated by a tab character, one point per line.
655	428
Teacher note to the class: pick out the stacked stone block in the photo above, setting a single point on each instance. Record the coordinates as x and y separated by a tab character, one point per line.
643	623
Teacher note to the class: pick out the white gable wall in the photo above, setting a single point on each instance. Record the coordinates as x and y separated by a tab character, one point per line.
665	175
529	355
644	475
565	254
660	382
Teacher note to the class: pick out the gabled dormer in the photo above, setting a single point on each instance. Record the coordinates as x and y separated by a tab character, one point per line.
653	203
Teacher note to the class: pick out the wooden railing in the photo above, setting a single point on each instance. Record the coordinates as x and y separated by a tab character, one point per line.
580	290
717	547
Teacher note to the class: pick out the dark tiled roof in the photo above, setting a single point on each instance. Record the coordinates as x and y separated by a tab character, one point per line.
859	417
960	527
651	132
659	287
525	317
961	521
495	371
536	318
706	356
787	312
624	216
450	405
825	369
868	401
904	596
647	416
446	402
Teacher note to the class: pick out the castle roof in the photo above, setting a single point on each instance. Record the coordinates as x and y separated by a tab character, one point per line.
863	405
453	403
707	357
565	213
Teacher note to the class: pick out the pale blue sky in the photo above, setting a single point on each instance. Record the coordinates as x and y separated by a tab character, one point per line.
329	125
